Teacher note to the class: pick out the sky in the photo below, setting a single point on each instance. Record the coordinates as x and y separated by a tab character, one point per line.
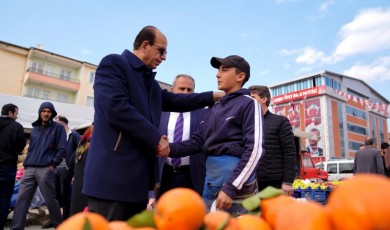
281	39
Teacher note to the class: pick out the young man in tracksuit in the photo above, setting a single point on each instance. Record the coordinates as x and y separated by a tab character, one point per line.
231	135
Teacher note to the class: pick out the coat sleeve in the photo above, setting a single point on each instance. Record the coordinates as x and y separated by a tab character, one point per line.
60	143
112	99
186	102
253	139
20	139
286	138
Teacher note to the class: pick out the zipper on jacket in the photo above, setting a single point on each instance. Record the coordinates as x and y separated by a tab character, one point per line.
118	141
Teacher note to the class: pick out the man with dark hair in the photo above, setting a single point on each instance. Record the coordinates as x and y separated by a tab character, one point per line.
277	167
12	142
128	104
63	176
368	160
385	150
46	151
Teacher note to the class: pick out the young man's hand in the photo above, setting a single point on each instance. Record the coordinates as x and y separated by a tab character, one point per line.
223	202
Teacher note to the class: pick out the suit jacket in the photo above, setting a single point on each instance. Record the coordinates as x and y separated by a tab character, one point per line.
368	160
197	161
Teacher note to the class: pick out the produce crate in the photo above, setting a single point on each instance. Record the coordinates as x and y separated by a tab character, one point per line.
318	195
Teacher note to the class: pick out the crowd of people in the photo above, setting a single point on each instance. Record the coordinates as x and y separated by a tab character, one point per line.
224	145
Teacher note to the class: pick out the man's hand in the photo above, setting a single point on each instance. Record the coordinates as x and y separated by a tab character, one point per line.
287	189
218	95
223	202
163	147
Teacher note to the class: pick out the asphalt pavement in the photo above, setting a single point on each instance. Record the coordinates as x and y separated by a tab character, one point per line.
35	218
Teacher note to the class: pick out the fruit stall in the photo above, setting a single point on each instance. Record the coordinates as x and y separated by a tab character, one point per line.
313	190
352	204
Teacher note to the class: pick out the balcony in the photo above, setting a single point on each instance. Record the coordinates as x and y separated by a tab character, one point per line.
52	80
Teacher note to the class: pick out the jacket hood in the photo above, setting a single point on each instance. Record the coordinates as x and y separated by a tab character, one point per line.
44	105
5	121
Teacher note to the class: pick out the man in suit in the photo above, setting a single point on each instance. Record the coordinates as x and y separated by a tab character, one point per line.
189	171
369	159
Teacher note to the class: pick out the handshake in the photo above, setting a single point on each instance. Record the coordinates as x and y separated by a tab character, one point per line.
162	149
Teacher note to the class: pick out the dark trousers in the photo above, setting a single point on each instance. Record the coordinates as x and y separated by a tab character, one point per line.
33	177
63	190
7	183
114	210
174	178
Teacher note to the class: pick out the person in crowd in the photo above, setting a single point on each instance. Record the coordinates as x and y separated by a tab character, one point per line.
63	175
277	167
313	147
385	151
128	102
186	172
46	151
77	164
12	142
368	160
231	135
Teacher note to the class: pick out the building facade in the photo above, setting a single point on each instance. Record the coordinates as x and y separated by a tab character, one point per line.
336	111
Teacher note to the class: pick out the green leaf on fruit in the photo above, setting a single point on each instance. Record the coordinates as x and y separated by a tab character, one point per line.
269	192
142	219
251	203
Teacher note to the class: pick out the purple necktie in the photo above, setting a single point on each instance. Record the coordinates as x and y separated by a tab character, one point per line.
177	136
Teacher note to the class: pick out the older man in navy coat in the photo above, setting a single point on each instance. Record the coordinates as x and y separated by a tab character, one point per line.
188	171
120	168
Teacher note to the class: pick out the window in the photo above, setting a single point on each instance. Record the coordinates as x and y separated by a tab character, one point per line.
65	75
341	127
346	167
45	95
356	112
354	145
356	129
91	77
62	97
37	67
33	92
89	101
332	168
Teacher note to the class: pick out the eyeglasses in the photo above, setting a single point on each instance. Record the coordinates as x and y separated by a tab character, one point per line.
160	49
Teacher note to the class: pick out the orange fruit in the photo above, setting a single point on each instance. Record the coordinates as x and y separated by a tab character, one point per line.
119	225
179	208
305	215
79	220
271	206
251	222
215	220
361	202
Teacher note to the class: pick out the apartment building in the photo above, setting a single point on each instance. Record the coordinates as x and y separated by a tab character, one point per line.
337	111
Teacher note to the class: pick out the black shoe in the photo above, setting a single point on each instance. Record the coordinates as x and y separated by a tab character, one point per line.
47	224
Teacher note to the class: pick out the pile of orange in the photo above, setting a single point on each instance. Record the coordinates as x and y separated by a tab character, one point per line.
361	202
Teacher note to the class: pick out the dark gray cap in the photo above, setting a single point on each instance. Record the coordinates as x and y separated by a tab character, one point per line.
232	61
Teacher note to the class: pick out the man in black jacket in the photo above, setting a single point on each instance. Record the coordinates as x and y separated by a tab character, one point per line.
277	167
12	142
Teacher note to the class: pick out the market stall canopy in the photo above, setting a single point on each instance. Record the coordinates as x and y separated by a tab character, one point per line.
28	111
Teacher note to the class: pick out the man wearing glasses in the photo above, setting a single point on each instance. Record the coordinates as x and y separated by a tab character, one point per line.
128	102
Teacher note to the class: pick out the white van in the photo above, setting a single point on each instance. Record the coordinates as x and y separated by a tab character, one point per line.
337	169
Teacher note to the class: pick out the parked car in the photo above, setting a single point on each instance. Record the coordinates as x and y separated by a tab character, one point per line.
337	169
